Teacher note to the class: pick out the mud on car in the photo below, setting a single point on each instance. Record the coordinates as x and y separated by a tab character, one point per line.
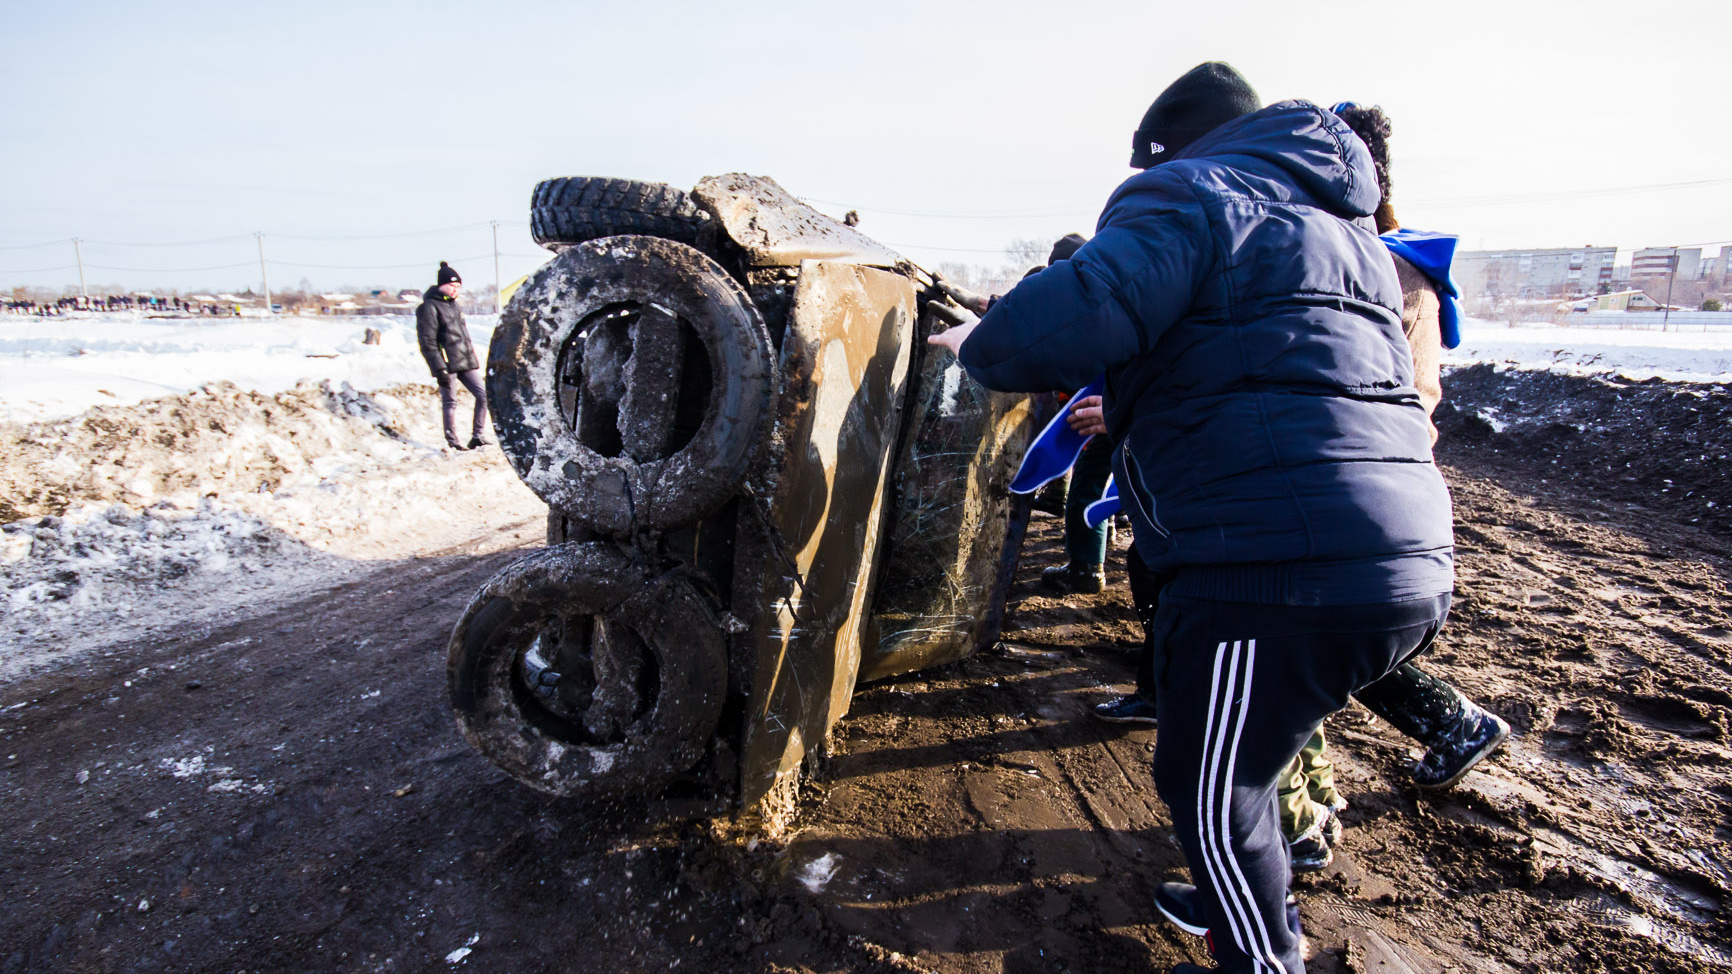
763	490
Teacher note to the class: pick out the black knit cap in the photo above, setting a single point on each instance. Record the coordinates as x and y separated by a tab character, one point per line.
447	275
1065	248
1205	97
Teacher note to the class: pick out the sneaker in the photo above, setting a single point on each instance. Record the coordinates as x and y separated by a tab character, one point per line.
1310	852
453	444
1132	709
477	442
1063	578
1182	905
1476	735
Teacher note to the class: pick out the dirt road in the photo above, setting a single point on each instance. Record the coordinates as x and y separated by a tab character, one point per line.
285	790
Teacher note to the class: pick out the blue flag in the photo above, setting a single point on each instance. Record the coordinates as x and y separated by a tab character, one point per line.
1432	253
1055	450
1104	508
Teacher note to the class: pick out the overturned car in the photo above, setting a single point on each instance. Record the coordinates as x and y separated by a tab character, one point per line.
763	489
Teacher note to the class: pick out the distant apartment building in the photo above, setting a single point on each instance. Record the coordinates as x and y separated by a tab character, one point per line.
1718	269
1558	273
1652	262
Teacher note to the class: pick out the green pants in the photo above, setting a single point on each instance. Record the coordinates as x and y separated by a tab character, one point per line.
1307	789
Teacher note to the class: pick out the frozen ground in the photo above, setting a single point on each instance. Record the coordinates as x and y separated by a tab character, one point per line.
161	471
56	367
172	513
1697	355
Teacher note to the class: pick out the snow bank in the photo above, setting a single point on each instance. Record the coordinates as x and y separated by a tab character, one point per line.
1691	356
134	518
57	367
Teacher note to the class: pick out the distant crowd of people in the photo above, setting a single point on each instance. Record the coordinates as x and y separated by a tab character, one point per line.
121	302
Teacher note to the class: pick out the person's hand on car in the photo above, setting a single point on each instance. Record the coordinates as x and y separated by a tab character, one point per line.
953	337
1087	417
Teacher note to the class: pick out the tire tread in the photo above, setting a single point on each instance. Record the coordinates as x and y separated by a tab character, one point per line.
572	209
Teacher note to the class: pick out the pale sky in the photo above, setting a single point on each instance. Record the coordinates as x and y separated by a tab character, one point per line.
952	127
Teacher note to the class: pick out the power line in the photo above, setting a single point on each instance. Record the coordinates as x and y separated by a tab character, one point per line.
39	270
954	216
242	236
168	270
46	243
167	243
957	250
407	233
1572	194
376	267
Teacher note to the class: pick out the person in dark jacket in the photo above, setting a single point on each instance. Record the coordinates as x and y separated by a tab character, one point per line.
451	356
1271	450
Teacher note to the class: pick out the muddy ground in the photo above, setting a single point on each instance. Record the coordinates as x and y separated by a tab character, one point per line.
284	789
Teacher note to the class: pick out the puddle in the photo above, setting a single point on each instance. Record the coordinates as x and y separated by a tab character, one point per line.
1672	907
1603	911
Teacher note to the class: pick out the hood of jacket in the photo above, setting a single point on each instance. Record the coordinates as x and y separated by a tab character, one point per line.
1313	147
434	294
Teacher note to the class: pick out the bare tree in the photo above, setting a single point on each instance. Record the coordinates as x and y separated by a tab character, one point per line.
1024	253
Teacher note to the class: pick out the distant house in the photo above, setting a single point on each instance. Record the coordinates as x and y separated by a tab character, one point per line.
1626	301
409	295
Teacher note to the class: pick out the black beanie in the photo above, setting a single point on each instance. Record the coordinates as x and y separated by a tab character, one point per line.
447	275
1067	245
1205	97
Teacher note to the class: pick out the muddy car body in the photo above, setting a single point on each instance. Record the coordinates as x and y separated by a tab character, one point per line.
763	490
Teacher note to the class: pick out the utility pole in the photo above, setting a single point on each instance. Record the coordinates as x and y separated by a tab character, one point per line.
498	305
79	255
1671	276
263	273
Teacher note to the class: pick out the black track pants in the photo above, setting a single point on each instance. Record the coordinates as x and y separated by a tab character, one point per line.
1146	587
1239	689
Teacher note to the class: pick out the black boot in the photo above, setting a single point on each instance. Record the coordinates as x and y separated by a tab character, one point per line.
1065	579
1466	744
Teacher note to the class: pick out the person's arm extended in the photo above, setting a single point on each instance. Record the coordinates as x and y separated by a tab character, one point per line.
1109	303
427	334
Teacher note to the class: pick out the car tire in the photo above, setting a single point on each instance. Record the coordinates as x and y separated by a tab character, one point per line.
671	457
643	711
569	210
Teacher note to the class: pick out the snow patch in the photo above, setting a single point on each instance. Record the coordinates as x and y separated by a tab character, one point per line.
462	953
1700	354
56	367
819	872
179	510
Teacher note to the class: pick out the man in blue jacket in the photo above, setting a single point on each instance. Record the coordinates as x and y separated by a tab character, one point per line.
1271	450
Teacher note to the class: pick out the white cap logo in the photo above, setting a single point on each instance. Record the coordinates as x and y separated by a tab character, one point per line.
1157	148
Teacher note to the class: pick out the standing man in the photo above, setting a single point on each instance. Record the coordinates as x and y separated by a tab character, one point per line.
1271	449
450	355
